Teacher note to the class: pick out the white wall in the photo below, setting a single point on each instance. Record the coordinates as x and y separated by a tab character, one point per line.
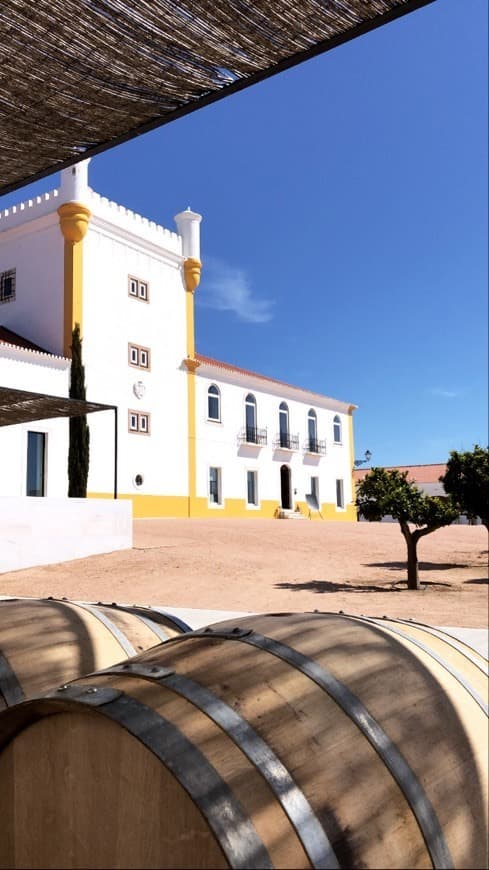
217	442
27	370
112	319
42	531
35	249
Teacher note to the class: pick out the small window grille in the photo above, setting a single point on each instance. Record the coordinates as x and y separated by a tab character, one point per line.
7	286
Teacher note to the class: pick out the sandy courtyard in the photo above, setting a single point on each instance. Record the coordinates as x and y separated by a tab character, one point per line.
270	565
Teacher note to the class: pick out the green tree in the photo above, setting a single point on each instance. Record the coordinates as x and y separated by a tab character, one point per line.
467	482
79	450
382	493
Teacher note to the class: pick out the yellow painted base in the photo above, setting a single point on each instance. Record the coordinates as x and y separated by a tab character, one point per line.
329	512
178	506
151	505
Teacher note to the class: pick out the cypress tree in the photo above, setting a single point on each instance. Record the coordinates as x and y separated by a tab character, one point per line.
79	450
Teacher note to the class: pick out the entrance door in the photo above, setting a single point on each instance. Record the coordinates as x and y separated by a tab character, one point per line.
285	492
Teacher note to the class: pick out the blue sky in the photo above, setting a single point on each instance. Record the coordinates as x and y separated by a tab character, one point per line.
345	226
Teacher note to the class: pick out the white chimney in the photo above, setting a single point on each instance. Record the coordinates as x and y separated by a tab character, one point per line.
188	225
74	182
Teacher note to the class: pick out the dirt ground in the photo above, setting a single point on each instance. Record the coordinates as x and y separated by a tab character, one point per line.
271	565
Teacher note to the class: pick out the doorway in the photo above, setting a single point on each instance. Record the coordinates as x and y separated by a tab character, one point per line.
285	489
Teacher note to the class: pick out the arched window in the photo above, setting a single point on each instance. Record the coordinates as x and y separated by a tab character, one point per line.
213	403
283	420
312	431
337	430
250	419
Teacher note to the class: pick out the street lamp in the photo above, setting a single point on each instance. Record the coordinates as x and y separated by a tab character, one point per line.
359	462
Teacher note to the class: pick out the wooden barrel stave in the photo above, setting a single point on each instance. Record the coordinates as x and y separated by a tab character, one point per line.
45	642
354	795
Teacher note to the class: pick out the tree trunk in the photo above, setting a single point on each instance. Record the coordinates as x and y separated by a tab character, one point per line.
412	557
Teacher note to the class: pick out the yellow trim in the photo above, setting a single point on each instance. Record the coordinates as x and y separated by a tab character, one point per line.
347	515
192	441
189	305
151	505
73	220
181	506
352	456
191	271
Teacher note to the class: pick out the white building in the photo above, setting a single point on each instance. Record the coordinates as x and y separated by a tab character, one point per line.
197	437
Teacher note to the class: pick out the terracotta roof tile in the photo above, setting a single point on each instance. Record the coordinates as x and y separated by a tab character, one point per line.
429	473
232	368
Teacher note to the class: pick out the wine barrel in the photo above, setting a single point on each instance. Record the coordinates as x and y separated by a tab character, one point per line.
285	740
47	641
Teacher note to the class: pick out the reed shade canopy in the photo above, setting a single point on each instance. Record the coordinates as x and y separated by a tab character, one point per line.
79	76
23	406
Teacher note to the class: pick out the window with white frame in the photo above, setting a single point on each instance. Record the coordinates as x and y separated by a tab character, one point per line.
138	288
7	286
340	499
312	431
250	419
283	424
214	403
315	491
252	488
337	430
215	485
138	421
139	356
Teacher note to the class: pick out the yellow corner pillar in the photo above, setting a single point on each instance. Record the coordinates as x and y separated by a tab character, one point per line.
191	272
352	454
73	219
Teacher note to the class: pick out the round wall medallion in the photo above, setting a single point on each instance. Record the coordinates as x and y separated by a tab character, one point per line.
138	480
139	389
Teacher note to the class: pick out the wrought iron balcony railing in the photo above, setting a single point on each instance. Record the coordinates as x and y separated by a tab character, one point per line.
312	445
252	435
284	441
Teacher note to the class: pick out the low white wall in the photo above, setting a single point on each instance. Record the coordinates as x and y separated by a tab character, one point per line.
40	531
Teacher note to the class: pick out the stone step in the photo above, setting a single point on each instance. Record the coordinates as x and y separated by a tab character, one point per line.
285	514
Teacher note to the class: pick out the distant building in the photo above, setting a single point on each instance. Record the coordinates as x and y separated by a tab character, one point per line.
426	478
197	437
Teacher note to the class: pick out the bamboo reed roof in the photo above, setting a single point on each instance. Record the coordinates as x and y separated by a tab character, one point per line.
22	406
79	76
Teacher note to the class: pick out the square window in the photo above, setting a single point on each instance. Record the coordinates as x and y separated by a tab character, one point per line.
138	356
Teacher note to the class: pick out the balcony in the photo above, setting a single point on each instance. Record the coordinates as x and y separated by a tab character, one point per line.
317	448
252	435
284	441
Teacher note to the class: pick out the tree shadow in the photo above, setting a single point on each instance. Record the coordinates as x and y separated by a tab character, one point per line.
322	586
423	566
